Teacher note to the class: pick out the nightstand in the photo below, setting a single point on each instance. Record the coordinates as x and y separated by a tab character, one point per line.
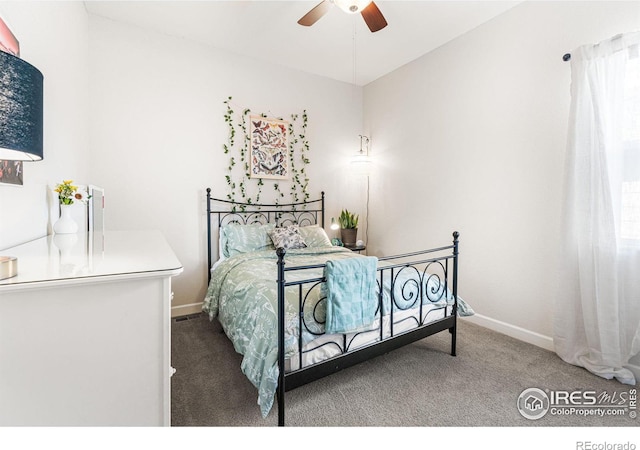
356	248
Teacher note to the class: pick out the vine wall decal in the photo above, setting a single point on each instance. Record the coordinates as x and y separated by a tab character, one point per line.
245	188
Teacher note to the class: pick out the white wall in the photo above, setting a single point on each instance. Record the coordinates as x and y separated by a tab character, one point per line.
475	131
471	137
157	130
53	37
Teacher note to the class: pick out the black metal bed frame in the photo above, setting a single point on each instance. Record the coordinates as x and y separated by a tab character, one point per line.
306	213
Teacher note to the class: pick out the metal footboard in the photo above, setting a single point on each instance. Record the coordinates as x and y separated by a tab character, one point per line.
422	283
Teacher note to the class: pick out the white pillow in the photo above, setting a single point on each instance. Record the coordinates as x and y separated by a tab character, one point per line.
314	236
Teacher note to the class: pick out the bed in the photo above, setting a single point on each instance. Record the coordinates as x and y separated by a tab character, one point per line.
298	308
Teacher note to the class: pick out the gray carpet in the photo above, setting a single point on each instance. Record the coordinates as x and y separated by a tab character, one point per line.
418	385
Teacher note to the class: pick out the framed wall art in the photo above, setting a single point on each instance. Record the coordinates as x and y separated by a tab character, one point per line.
269	157
8	41
11	172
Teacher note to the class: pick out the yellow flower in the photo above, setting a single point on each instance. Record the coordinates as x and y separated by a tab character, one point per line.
68	194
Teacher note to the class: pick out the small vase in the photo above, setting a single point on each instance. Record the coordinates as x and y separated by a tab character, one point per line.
65	224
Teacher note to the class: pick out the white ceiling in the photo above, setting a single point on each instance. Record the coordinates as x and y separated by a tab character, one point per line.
338	46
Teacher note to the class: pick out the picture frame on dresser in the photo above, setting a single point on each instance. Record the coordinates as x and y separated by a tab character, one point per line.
95	208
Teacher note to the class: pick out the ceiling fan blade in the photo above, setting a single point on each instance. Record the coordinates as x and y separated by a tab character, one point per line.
316	13
373	17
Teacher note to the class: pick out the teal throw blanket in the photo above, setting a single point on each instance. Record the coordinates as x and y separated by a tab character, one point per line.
352	298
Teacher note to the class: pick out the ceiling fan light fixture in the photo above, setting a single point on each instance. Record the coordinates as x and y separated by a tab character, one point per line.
352	6
367	8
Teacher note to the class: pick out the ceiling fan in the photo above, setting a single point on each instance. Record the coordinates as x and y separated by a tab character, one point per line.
370	12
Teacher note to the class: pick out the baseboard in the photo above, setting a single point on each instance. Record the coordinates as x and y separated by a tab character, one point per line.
185	310
513	331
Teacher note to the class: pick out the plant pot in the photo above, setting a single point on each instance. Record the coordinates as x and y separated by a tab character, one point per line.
349	236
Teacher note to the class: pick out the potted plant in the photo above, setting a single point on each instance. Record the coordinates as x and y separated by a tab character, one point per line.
348	227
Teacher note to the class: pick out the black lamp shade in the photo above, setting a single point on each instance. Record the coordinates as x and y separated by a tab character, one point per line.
20	110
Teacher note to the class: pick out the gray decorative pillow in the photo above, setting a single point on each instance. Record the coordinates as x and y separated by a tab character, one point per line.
287	237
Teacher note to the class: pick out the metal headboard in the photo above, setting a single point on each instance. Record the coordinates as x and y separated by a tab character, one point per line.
310	212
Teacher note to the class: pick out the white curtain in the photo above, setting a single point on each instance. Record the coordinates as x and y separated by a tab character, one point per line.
597	316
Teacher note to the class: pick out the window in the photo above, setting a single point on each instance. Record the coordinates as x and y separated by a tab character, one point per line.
630	196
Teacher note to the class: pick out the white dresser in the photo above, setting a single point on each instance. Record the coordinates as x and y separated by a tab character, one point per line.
85	331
